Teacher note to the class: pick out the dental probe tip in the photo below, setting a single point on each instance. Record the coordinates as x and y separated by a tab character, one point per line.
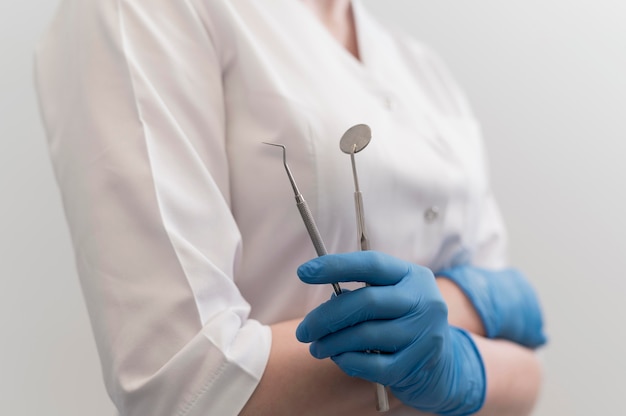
274	144
282	146
296	191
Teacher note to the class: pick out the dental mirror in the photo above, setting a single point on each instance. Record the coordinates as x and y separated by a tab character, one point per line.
355	139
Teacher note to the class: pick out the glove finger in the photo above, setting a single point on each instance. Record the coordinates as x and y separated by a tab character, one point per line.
349	309
383	336
370	267
377	368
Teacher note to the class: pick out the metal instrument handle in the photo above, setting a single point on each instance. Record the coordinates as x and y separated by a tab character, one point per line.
314	233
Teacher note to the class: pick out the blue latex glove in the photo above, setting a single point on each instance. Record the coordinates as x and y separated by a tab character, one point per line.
426	363
505	302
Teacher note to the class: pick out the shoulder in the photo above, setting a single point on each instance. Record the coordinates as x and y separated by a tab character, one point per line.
428	64
422	63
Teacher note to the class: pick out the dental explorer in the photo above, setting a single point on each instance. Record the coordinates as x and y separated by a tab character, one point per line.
355	139
306	215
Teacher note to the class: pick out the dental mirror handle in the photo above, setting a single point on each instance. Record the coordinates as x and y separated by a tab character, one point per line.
363	240
382	398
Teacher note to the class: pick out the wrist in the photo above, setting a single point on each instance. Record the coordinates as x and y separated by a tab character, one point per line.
470	373
453	382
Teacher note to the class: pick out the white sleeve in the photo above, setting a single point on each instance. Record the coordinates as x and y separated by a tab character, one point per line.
131	97
490	251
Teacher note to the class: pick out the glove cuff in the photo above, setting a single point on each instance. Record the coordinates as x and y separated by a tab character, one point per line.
471	378
505	302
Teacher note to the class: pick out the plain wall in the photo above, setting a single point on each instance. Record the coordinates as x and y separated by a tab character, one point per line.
547	80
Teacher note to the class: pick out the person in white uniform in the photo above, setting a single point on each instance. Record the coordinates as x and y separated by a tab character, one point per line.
187	240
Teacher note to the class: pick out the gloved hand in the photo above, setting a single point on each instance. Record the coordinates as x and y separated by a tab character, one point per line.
426	363
505	302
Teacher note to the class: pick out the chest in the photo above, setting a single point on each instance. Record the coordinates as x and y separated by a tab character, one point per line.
296	86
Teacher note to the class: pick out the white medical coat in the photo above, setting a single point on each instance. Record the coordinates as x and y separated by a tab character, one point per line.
184	225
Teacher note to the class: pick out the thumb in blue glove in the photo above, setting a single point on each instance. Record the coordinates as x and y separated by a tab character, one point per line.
426	363
504	300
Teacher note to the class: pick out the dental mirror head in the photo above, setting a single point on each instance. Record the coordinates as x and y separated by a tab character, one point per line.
355	139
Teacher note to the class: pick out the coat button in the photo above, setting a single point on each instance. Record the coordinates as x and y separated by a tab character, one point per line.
389	103
431	214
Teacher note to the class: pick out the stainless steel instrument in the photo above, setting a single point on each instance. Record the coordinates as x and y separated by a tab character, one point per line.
306	215
355	139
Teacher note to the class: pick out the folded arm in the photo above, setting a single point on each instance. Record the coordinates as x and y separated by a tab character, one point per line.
296	382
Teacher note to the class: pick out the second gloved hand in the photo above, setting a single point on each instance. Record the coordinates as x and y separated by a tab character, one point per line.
505	301
426	363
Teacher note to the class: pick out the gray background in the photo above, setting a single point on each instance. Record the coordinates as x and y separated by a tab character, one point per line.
546	79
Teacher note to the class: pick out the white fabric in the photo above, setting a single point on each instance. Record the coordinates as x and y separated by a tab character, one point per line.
184	225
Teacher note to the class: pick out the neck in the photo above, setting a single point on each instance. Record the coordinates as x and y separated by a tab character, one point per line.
330	10
337	16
